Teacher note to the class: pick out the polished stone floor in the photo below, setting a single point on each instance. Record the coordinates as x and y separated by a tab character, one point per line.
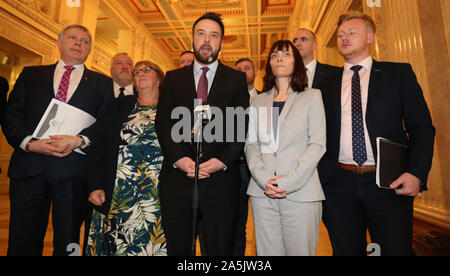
323	249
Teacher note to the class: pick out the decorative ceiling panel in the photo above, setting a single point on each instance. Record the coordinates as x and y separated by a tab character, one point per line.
250	25
145	6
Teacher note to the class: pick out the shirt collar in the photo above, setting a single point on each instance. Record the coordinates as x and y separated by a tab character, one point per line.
212	67
128	88
312	65
366	64
61	65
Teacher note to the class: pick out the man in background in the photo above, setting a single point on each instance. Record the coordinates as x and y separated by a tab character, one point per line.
186	58
306	43
247	66
121	68
4	87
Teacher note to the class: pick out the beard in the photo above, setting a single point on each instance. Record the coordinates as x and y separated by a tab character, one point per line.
206	59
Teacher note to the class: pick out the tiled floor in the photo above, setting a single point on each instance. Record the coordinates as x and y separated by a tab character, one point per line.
323	249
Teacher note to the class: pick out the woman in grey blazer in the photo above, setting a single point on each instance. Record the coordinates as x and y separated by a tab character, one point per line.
286	140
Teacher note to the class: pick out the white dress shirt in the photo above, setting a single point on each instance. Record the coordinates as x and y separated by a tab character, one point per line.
346	151
310	71
128	90
253	93
209	75
75	78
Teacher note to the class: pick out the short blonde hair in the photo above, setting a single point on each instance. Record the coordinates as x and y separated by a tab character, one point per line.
154	67
358	15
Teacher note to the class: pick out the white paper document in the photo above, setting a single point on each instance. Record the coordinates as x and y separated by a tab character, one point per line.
62	119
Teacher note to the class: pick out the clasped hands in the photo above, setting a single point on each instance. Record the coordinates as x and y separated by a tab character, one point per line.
272	190
205	169
57	145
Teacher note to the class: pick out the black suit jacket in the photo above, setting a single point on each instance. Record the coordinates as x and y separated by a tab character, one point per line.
27	103
105	149
4	87
322	71
396	110
229	89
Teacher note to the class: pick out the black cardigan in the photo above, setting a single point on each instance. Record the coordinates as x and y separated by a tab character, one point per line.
105	149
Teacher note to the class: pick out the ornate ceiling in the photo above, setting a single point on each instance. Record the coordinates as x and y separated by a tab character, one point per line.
251	26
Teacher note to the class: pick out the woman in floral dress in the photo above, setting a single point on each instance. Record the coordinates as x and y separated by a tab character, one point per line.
124	170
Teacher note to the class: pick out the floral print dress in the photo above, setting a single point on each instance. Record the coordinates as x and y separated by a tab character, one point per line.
133	226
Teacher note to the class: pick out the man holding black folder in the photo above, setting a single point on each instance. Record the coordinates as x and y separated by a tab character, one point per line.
366	100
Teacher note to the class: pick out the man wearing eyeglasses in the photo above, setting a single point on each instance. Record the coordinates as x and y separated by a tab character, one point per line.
222	87
46	174
306	43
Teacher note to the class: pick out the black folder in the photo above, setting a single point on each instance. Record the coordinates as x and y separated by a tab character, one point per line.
392	161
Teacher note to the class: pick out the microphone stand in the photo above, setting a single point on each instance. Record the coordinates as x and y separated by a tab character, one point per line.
197	131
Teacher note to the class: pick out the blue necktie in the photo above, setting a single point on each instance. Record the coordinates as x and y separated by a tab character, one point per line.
358	139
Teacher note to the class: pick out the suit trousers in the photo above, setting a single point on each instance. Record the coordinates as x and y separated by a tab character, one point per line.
284	227
354	203
218	211
31	199
241	236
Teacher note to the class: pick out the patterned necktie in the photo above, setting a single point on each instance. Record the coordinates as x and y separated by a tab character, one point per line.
121	92
202	89
64	84
358	139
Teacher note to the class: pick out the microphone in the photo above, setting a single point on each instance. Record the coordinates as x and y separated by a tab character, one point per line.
202	115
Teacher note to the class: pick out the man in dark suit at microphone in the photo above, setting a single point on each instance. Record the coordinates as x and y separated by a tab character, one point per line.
209	80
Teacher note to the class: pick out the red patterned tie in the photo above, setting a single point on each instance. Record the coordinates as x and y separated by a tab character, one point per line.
202	92
64	84
202	89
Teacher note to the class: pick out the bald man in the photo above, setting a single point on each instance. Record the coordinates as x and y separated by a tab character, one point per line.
306	43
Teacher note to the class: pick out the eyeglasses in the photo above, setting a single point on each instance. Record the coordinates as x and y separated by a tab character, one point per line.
145	70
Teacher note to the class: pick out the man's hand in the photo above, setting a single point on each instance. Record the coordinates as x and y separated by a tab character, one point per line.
410	185
46	147
67	142
97	197
211	166
272	190
186	165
